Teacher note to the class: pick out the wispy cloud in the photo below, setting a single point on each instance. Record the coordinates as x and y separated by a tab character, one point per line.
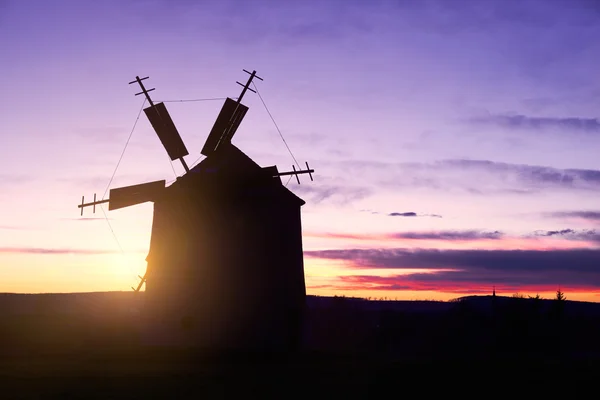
448	235
402	214
108	134
412	214
46	251
540	123
15	179
514	178
562	232
331	193
86	219
464	268
11	227
441	282
586	215
482	177
476	236
576	260
477	177
529	174
571	234
370	211
333	235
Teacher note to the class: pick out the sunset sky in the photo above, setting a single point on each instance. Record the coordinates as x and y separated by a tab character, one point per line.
455	142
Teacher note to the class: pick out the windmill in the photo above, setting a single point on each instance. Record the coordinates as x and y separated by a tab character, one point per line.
225	265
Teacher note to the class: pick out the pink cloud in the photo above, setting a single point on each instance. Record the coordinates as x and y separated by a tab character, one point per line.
37	250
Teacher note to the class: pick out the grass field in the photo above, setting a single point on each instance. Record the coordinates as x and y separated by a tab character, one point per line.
86	347
97	376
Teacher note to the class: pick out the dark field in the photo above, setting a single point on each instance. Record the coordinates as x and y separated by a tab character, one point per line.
87	346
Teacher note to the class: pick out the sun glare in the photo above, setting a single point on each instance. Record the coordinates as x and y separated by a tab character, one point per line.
125	269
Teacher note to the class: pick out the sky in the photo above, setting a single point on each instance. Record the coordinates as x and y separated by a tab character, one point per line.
455	143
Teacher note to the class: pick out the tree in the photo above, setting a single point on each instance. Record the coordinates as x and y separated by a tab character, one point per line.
560	296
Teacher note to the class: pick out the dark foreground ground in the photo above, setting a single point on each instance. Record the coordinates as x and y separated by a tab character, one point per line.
84	346
102	377
177	376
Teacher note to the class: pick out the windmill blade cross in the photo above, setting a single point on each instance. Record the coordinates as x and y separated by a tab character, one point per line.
127	196
163	126
296	172
229	119
93	203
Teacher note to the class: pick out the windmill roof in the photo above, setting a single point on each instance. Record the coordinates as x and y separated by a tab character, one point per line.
230	165
227	157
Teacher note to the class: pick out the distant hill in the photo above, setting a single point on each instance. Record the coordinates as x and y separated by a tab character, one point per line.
131	302
474	326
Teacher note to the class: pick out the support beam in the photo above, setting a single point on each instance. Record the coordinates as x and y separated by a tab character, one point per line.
142	281
185	166
297	172
93	203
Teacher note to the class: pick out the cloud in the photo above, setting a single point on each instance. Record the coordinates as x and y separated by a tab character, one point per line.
574	261
370	211
37	250
424	235
464	268
540	123
113	135
571	234
331	193
404	214
401	214
453	283
529	176
310	30
289	23
312	138
86	219
556	233
448	235
481	177
412	214
590	235
527	173
352	236
587	215
11	228
15	179
568	234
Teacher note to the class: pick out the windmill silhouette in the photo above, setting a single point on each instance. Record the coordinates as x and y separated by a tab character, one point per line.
225	266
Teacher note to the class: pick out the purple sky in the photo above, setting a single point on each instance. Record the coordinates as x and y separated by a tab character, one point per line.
427	120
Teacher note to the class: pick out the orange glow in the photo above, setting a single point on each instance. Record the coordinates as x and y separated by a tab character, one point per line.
445	296
61	271
439	291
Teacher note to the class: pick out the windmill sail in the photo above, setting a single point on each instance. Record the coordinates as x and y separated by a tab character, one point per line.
135	194
167	132
225	126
